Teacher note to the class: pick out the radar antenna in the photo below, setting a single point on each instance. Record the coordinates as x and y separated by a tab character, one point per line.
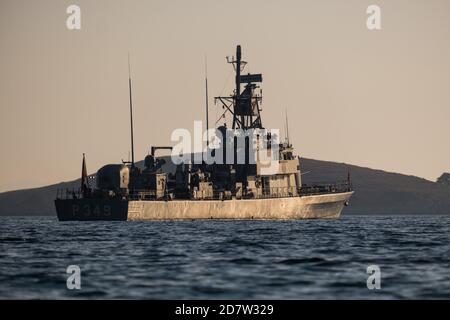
245	105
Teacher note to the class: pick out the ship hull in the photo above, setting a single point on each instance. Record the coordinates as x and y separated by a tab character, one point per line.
324	206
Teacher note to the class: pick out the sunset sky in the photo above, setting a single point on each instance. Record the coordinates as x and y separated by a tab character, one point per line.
378	99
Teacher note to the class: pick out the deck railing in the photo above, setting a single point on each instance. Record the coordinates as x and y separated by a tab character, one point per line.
324	188
64	194
267	192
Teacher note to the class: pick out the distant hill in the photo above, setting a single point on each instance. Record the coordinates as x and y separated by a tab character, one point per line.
376	192
380	192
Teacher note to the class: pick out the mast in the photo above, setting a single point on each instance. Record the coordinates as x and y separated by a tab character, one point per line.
238	71
206	105
131	113
238	84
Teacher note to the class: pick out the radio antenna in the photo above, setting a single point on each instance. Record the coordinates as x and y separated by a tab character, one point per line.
287	127
131	112
207	102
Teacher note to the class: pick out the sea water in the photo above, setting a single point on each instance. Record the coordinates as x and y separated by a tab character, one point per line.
305	259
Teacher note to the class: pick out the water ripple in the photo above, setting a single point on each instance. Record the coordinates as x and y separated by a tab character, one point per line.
319	259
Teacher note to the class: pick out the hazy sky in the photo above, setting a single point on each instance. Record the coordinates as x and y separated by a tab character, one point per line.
379	99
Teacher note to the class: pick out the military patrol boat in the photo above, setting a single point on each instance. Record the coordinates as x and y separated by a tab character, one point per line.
239	188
